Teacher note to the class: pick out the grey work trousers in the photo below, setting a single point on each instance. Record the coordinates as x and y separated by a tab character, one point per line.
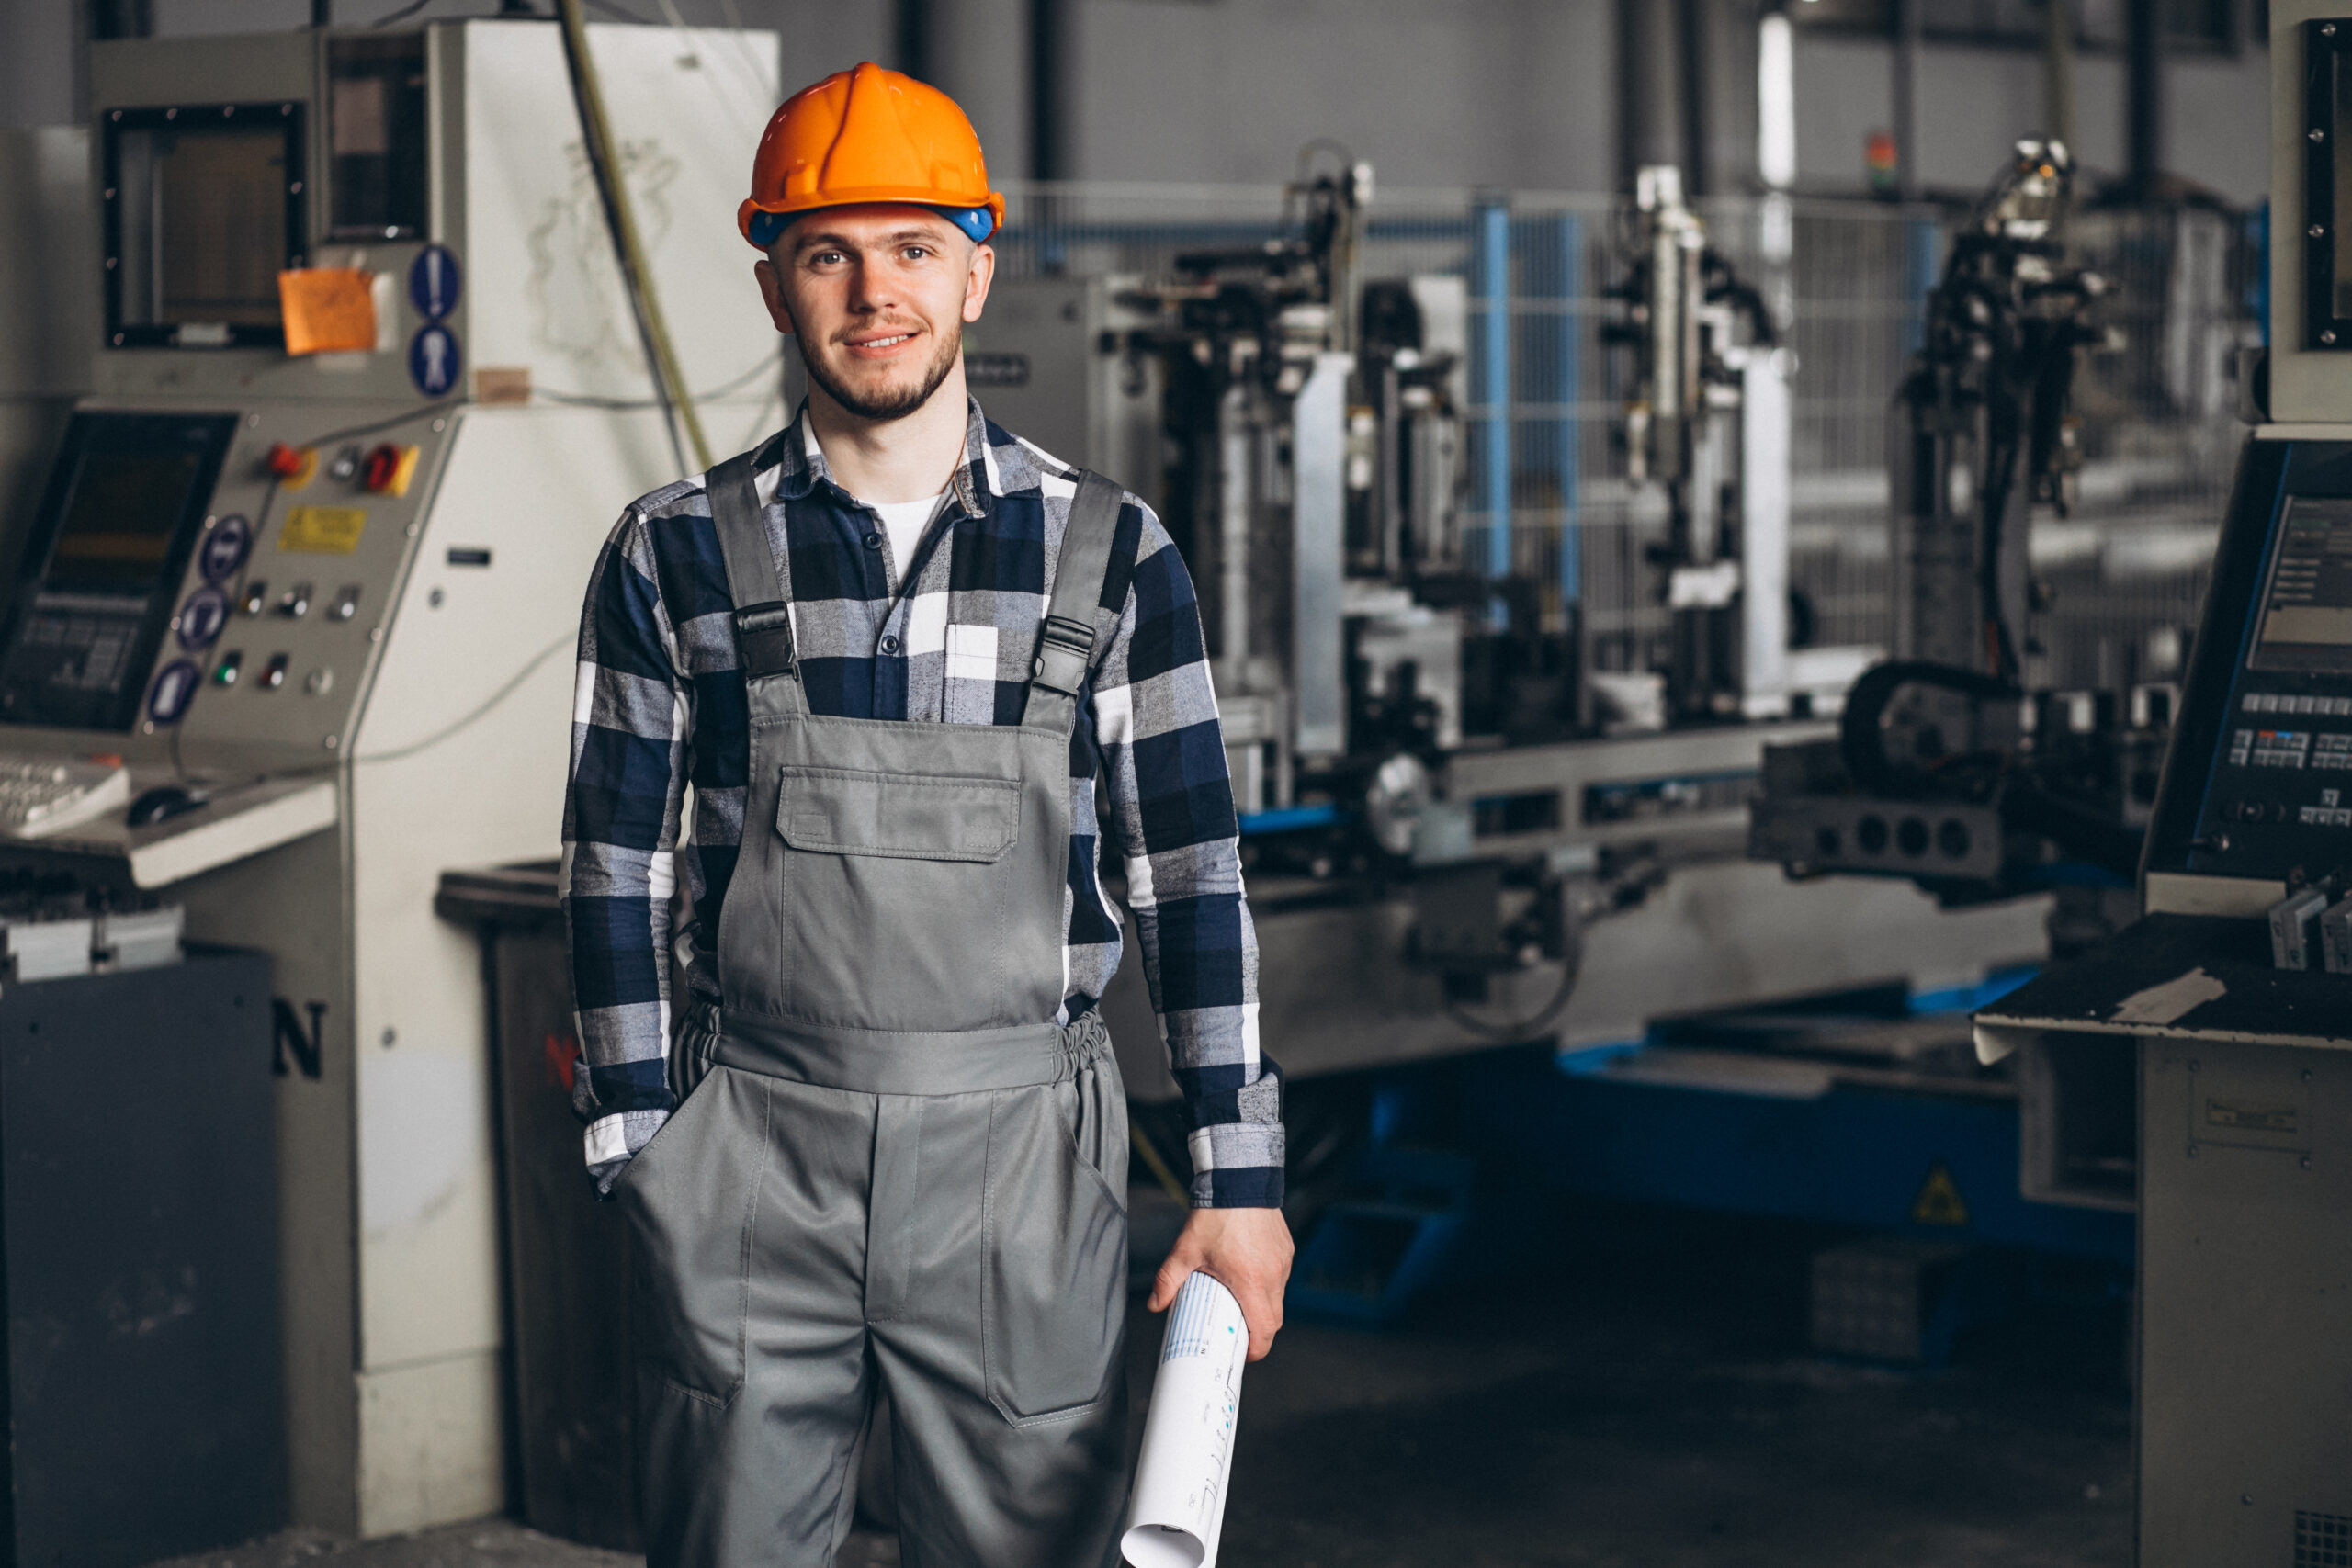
798	1242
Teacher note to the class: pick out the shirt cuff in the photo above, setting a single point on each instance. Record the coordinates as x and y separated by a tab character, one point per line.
1237	1166
612	1140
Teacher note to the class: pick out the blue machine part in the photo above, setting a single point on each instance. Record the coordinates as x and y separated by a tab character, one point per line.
1288	819
1908	1163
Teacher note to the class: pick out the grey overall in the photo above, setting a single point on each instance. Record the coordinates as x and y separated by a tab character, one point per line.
885	1167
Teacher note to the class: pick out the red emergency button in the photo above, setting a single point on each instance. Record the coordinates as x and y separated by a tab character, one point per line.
389	469
291	465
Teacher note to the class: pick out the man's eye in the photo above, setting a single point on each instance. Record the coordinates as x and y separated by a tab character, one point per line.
916	253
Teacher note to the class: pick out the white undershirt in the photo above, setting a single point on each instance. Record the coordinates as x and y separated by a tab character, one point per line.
906	522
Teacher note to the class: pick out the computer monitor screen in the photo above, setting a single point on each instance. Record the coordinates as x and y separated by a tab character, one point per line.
102	567
2306	615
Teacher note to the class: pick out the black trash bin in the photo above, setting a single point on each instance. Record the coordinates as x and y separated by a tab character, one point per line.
566	1254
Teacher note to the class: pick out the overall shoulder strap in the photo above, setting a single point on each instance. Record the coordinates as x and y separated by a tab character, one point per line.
762	618
1066	642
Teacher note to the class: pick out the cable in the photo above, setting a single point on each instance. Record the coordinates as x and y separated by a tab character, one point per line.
479	713
668	383
586	400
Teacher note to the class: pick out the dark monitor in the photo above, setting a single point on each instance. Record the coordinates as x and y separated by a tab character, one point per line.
204	206
124	507
2305	619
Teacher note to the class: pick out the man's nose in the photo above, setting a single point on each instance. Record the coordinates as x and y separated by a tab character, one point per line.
869	290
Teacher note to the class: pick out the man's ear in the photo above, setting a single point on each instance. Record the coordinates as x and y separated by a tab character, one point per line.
977	281
772	294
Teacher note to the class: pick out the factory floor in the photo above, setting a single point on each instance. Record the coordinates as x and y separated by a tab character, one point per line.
1646	1403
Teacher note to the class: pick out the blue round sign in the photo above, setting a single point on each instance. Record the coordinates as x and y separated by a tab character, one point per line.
201	618
224	549
433	360
175	688
433	282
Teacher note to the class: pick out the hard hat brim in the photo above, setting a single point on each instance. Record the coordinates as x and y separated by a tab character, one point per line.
871	195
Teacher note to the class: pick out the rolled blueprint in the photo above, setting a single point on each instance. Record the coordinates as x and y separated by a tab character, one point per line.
1177	1509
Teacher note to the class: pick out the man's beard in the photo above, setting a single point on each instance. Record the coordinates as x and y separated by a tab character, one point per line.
885	406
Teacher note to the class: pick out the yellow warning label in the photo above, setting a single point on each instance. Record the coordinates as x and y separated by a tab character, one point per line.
1939	1202
323	530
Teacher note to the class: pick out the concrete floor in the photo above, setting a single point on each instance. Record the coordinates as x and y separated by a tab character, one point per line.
1646	1404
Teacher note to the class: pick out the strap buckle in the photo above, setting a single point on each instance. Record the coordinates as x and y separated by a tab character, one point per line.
763	633
1064	649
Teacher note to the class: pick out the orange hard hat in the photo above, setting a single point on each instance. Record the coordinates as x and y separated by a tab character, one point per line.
868	135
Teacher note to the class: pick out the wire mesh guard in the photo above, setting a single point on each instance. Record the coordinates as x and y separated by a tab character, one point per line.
2119	580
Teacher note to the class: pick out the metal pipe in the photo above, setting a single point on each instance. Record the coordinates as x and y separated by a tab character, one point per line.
1691	64
912	44
2058	72
2144	96
1907	17
1052	89
1493	262
1651	124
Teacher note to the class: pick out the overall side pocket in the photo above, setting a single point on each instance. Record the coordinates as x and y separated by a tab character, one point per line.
1054	1264
692	1198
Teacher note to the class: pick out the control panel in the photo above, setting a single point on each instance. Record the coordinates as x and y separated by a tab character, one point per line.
2259	783
216	582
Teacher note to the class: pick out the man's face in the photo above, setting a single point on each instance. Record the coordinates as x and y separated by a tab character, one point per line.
878	297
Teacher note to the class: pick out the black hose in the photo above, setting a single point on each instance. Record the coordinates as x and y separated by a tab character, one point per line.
1532	1026
1861	743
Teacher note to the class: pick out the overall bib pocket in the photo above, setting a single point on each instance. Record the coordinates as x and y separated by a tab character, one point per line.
848	811
926	857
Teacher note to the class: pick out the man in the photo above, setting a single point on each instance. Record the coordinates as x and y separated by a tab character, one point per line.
885	1146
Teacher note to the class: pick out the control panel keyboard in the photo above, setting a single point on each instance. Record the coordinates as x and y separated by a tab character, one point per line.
40	796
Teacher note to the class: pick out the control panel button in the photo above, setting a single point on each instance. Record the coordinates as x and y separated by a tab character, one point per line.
346	603
319	682
274	674
256	598
345	467
291	467
231	665
389	469
295	603
225	547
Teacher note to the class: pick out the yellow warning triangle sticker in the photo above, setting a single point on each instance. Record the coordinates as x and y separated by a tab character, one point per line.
1940	1202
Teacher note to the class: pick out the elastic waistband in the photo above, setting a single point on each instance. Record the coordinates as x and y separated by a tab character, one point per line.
876	1061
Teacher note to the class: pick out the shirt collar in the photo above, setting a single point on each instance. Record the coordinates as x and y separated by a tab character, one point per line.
801	465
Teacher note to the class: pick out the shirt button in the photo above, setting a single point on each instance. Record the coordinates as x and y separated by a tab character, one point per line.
889	645
873	541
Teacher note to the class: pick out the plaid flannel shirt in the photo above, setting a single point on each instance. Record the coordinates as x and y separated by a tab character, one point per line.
660	704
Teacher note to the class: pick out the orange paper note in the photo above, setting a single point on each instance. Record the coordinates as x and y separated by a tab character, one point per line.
327	310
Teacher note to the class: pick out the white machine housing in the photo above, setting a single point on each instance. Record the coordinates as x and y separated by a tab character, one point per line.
422	718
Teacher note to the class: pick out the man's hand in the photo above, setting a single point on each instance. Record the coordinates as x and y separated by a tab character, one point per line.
1247	1251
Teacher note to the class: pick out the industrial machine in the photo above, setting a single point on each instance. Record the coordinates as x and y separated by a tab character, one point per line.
1468	817
2194	1068
1951	767
302	582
